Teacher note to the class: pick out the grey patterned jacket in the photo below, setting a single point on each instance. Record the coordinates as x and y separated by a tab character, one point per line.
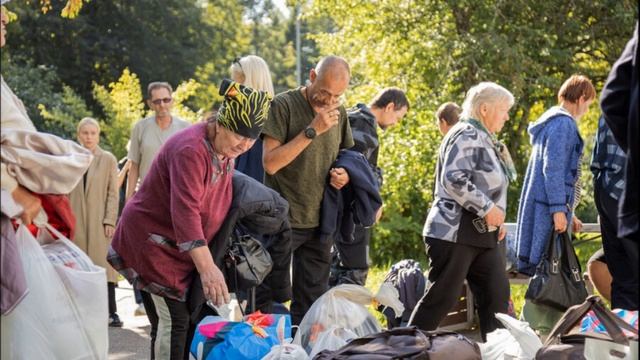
469	175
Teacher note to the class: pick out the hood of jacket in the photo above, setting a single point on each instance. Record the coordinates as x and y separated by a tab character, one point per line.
536	127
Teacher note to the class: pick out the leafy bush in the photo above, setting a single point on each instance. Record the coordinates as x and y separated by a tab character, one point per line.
52	106
395	43
123	106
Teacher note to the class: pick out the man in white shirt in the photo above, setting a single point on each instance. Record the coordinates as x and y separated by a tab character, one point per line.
149	134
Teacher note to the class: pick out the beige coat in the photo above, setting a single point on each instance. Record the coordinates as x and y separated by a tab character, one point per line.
96	206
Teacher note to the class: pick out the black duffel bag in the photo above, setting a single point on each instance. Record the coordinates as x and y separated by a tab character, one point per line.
406	343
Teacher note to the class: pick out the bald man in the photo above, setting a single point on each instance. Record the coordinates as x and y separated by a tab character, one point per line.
305	130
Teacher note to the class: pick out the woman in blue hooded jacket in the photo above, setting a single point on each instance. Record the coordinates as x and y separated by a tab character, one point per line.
550	185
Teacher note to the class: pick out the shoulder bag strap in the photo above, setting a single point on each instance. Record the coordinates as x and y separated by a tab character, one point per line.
612	323
570	257
552	252
569	319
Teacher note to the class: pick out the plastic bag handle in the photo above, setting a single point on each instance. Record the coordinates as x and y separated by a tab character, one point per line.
55	232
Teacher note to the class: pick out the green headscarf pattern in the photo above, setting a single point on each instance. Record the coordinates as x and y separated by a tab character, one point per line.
244	109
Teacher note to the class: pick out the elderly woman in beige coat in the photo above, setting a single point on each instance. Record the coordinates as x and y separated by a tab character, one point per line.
95	204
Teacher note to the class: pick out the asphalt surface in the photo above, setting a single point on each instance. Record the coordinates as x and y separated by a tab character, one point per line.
131	341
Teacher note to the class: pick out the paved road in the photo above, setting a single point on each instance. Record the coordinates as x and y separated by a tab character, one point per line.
132	340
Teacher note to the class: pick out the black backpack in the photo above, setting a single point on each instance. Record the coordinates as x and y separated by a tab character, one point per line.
406	343
407	277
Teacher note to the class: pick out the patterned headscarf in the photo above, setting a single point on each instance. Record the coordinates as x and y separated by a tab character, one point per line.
244	109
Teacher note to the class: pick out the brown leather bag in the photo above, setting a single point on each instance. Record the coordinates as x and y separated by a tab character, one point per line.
407	343
565	344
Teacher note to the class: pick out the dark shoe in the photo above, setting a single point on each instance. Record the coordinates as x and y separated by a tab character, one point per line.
114	320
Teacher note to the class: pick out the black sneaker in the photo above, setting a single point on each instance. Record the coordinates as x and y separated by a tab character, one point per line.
114	320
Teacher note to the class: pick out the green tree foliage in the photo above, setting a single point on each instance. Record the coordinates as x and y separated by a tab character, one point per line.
158	40
70	10
122	105
190	44
62	117
268	40
437	50
52	106
229	38
182	95
311	23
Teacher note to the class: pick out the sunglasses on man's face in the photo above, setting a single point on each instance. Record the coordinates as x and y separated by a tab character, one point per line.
160	101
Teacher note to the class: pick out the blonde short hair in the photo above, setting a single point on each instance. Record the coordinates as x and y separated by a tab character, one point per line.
88	121
484	93
255	72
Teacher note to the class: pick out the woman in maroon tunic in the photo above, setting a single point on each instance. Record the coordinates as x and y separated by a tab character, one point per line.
165	228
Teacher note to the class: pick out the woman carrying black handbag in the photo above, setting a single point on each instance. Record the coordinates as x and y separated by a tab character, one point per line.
550	189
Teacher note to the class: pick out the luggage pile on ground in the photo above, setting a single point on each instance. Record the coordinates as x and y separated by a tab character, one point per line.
339	326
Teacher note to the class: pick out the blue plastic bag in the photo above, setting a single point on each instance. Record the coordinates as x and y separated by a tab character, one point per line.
217	338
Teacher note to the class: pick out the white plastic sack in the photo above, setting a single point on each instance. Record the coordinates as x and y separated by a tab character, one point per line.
498	342
388	295
332	339
286	352
87	285
47	323
341	307
529	343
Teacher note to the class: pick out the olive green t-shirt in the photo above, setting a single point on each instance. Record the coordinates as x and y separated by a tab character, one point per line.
302	182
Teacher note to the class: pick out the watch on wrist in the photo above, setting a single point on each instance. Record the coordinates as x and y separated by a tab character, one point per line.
310	132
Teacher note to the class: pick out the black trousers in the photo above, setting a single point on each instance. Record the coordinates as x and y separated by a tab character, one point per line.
350	259
171	329
451	264
111	296
621	254
311	259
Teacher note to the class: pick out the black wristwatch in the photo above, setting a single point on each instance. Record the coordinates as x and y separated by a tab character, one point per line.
310	132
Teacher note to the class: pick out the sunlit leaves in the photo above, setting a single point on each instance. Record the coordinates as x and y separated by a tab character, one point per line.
123	106
70	10
436	50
